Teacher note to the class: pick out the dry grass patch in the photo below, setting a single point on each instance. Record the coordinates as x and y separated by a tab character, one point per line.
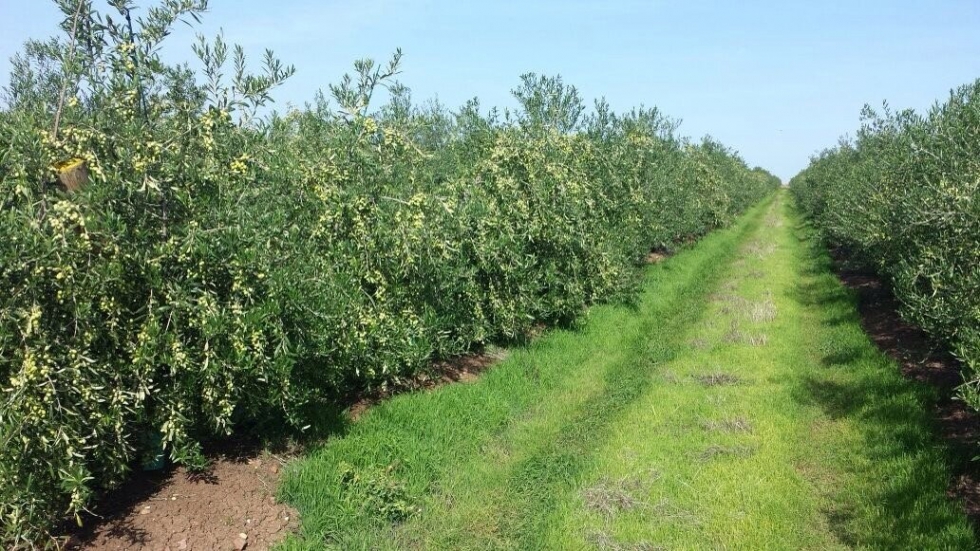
758	340
738	424
735	335
760	250
725	297
606	542
700	344
715	451
670	377
764	311
734	305
608	497
718	379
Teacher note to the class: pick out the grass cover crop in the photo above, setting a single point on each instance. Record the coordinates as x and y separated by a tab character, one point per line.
212	269
904	197
736	404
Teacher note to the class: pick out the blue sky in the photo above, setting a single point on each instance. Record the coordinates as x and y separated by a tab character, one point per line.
776	80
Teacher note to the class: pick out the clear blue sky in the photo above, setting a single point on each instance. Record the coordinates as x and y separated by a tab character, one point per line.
777	80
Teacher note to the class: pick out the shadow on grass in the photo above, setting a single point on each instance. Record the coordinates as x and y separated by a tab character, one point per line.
895	495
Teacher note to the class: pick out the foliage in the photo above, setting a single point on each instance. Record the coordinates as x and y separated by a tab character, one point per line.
904	196
224	268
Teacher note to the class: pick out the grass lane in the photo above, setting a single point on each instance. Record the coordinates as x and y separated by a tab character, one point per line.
736	405
450	452
708	458
872	452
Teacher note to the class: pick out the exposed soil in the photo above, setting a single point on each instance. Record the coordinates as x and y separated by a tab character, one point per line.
655	257
922	360
232	506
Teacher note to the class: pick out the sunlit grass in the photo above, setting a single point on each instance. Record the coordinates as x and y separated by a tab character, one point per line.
736	405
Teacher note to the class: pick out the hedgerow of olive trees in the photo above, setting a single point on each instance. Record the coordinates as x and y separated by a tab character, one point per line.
222	268
904	196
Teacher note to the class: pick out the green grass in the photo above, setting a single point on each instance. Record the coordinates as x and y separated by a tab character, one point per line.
736	405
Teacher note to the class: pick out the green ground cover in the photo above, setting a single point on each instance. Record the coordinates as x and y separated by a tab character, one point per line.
736	405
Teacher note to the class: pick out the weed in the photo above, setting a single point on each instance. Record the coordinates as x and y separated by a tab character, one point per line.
378	492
